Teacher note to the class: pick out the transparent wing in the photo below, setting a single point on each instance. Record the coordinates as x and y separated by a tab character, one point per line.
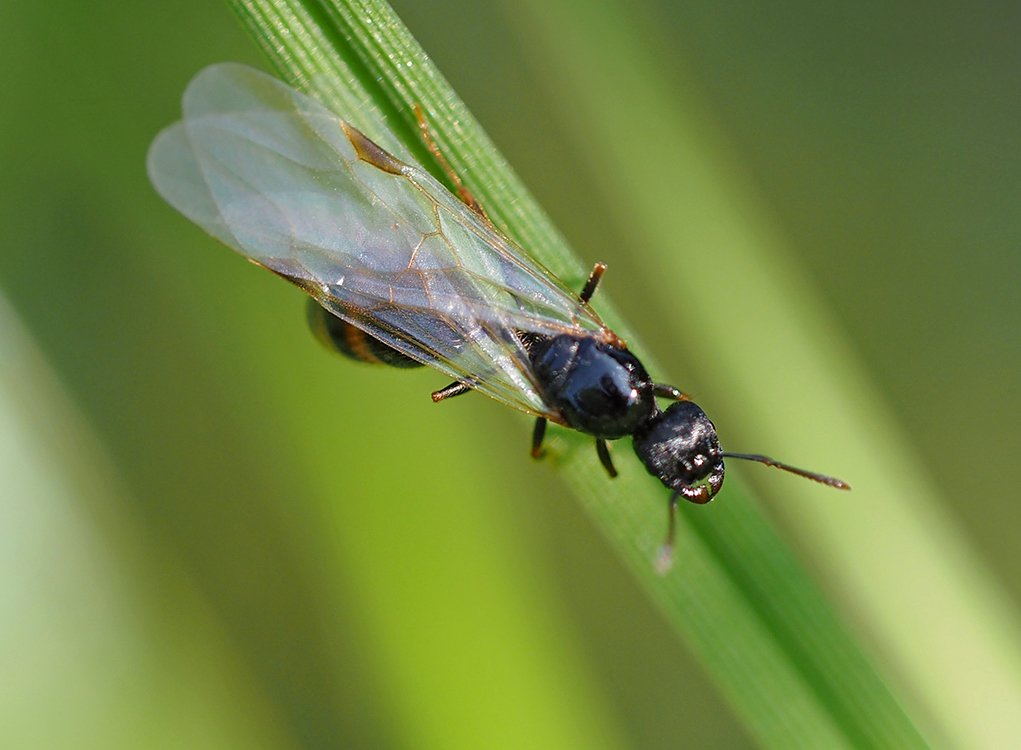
377	241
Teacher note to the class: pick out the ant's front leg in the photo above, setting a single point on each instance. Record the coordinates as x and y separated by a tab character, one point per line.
662	390
462	192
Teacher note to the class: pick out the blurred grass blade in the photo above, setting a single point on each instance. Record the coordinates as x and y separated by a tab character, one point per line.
737	594
81	637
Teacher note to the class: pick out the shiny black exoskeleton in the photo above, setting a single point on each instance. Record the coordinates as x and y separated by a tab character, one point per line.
604	390
680	447
599	388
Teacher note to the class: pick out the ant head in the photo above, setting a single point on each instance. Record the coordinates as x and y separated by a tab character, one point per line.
680	447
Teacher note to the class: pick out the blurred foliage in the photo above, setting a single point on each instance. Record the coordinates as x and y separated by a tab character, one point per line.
215	535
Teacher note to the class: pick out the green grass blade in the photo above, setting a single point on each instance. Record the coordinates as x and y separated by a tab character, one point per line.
737	594
947	630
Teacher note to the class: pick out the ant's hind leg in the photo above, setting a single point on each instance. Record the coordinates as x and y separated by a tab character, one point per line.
538	433
604	457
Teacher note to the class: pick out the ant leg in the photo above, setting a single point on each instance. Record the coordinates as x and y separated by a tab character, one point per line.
668	391
462	192
537	435
666	553
457	388
593	281
604	457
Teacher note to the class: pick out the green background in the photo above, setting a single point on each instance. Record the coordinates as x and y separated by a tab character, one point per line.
216	535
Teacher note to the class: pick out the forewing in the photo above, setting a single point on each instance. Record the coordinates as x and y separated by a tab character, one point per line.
282	180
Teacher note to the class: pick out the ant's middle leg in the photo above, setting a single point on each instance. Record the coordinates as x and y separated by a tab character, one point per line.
538	433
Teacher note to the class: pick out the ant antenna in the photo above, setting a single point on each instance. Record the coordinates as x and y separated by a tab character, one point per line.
665	559
839	484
